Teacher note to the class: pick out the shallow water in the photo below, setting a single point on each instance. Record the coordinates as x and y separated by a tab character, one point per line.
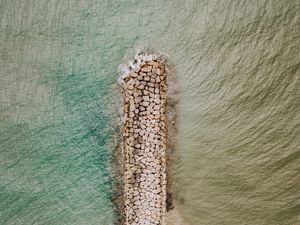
238	115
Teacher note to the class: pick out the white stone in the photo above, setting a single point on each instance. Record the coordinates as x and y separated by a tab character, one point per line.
146	98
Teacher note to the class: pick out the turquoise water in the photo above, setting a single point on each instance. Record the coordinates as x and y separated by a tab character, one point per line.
237	64
59	63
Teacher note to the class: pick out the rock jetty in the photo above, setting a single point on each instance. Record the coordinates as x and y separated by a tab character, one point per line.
145	138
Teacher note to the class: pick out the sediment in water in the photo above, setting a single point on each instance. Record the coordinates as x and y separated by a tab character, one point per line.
144	88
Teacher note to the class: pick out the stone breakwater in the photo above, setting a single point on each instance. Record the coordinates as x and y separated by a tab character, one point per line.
145	139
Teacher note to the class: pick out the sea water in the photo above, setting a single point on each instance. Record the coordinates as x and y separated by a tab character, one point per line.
238	115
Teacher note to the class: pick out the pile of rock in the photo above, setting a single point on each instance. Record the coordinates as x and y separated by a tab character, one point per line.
145	135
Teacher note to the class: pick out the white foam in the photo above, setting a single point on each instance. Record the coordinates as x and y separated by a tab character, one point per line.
139	59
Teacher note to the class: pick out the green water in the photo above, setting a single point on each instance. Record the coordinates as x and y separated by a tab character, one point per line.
238	69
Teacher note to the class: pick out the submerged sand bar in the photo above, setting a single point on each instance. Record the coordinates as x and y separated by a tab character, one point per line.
145	139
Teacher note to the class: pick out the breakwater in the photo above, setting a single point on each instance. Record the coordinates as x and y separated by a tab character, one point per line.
144	143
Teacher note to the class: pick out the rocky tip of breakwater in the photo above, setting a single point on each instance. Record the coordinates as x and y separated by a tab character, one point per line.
140	58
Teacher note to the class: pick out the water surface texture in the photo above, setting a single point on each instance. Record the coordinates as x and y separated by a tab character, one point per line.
238	119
